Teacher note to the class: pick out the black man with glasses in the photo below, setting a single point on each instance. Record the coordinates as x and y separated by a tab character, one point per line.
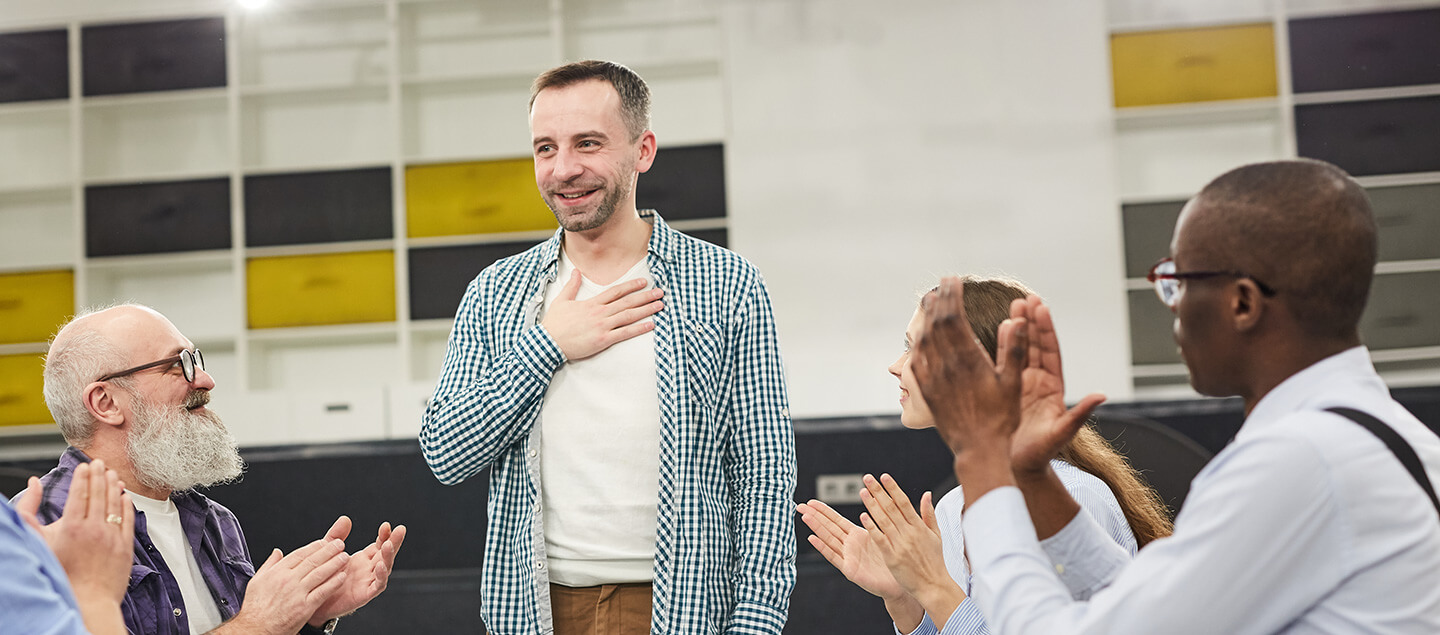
126	387
1320	516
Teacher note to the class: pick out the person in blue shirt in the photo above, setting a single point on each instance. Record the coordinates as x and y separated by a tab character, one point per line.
923	591
67	577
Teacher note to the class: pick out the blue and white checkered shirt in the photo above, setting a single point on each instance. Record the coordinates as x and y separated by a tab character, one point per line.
725	540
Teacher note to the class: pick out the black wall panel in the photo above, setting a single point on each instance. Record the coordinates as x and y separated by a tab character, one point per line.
152	218
720	236
1390	136
1148	228
439	275
34	65
685	182
1403	312
1370	50
317	207
1409	220
150	56
1152	335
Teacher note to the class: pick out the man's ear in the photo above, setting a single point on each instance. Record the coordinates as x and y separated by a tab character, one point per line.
101	403
1247	305
647	152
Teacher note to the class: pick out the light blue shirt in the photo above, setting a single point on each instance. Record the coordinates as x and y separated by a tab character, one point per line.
1306	523
725	540
35	595
1089	491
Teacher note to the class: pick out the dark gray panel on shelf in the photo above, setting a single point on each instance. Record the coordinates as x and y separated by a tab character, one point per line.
719	236
1390	136
142	57
318	207
34	65
1148	229
1369	50
439	275
1404	311
1409	220
685	182
150	218
1152	335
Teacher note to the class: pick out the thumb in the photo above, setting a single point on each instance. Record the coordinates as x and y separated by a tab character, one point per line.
341	529
29	502
1076	416
927	513
572	286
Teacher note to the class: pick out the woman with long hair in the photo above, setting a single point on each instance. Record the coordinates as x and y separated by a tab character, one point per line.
1099	479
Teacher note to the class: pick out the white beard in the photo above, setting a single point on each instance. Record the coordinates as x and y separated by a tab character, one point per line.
176	449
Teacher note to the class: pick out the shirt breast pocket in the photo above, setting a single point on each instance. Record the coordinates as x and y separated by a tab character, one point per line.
705	361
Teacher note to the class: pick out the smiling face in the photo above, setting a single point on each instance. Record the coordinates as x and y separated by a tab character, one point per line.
586	162
914	414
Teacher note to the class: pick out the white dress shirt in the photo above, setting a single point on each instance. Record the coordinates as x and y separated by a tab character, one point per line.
1095	499
1305	523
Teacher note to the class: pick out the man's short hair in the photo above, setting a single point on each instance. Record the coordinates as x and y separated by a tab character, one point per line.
1303	227
72	364
634	94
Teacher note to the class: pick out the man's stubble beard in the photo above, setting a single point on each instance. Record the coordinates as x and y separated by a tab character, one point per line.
177	449
603	212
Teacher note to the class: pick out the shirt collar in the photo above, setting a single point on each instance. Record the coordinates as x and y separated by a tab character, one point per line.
662	243
1319	381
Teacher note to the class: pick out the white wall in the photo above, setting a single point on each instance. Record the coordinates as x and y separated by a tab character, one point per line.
874	146
877	146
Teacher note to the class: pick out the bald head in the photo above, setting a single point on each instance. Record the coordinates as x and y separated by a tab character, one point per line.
1303	227
92	344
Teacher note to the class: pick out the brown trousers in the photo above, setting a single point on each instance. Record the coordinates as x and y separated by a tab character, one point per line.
608	609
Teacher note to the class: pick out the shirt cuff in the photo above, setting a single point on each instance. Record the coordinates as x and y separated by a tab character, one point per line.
539	353
926	627
997	525
1085	557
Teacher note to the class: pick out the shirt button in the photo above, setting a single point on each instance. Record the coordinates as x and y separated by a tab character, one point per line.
785	412
1060	569
178	612
540	565
534	453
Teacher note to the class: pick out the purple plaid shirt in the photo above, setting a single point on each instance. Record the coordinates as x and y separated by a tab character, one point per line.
152	603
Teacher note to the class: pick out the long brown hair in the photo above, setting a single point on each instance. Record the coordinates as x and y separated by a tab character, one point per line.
987	304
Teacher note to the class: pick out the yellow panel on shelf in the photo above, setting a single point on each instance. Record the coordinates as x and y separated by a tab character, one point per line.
34	305
321	289
480	197
1190	65
22	398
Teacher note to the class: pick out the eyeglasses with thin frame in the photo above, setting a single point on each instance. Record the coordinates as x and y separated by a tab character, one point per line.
190	360
1167	280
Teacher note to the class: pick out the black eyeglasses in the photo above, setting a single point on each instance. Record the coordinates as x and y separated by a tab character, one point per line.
190	360
1167	280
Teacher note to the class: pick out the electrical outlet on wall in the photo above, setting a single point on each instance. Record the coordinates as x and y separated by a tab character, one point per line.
838	489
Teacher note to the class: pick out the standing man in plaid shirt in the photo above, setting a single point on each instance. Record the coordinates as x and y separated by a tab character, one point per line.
623	382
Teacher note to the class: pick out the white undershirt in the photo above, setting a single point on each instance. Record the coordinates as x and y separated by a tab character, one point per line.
162	522
600	456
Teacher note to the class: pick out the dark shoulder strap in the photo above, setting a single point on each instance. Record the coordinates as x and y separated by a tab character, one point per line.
1397	445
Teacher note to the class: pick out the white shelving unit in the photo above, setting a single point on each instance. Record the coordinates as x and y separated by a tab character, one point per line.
313	86
1167	153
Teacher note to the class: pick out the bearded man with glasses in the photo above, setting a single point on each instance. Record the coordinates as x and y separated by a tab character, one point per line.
126	387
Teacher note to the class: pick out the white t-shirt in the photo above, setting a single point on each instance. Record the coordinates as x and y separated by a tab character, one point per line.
600	455
162	522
